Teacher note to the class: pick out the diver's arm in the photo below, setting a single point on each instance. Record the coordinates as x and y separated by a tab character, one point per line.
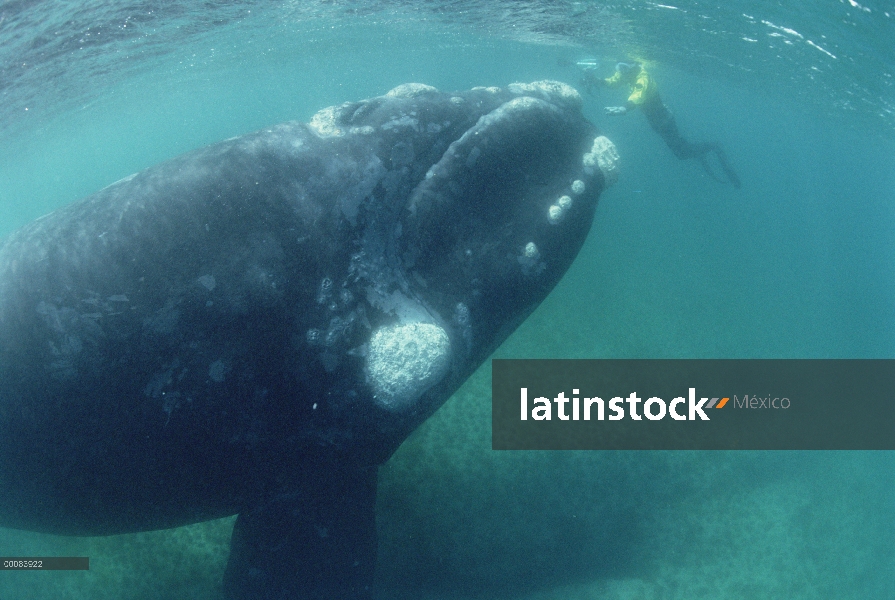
617	111
613	81
590	81
638	93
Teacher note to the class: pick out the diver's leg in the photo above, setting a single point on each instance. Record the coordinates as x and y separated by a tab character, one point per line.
704	161
728	170
729	175
663	123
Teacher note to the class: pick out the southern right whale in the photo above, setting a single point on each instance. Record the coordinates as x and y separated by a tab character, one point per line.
255	326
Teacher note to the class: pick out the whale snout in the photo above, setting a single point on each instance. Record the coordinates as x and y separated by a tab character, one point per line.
503	212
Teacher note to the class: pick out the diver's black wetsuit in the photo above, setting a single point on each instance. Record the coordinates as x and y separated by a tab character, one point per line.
644	95
663	123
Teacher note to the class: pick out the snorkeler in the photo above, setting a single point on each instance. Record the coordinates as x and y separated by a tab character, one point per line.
645	95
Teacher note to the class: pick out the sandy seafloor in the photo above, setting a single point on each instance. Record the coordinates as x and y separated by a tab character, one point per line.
799	263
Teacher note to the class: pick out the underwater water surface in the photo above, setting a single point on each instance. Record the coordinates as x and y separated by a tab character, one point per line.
798	263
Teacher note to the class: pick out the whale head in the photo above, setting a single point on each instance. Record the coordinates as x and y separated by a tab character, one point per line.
475	205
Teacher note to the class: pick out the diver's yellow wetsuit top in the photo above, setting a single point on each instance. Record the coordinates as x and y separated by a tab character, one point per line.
642	88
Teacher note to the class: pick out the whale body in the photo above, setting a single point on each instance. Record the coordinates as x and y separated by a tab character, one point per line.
253	327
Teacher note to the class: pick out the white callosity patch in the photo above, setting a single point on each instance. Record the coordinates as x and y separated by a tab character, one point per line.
524	103
410	90
553	90
557	211
554	214
530	260
404	360
323	123
491	90
604	156
577	187
531	250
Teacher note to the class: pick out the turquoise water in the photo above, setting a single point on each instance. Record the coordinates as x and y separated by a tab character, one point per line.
800	262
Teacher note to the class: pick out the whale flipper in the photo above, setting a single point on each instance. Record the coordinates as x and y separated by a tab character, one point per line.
316	541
